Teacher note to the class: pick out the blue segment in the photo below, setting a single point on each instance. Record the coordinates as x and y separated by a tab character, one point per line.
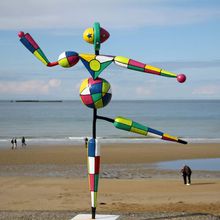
71	53
155	131
26	43
106	99
96	88
91	148
86	64
91	106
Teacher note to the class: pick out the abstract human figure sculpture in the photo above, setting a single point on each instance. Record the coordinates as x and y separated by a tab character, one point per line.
95	93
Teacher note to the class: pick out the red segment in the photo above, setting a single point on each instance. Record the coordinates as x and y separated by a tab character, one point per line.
31	41
52	64
168	139
104	35
97	164
86	99
94	81
73	60
151	71
136	63
92	182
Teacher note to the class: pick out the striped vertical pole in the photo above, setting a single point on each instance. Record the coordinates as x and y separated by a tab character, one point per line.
93	146
93	171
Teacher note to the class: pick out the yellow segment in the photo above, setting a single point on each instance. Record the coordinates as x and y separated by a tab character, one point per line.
99	104
138	131
105	88
121	59
168	73
64	62
88	57
124	121
149	67
95	65
36	54
171	137
88	35
84	84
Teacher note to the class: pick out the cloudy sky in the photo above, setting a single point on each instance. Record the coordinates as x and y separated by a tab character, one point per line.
179	36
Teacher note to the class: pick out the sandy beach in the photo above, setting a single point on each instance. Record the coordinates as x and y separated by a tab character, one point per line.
54	179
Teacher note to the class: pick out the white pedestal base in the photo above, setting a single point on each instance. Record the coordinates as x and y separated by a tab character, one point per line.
99	217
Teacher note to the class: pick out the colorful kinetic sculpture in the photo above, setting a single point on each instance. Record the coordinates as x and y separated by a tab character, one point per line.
96	93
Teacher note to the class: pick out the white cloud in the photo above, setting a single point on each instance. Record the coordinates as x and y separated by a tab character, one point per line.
143	92
207	90
53	83
74	14
29	87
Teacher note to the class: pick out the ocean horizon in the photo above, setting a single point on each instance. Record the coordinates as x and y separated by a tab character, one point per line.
58	121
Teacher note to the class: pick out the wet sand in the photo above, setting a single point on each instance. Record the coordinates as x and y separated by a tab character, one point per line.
110	153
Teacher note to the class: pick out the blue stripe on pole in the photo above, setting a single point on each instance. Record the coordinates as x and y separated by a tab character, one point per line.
91	148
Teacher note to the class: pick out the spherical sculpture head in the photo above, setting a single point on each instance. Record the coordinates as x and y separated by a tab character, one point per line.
89	37
95	93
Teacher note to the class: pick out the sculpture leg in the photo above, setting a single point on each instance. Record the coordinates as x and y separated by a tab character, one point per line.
93	172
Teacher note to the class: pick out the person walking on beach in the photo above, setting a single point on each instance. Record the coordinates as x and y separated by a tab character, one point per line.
15	143
186	173
23	143
86	142
12	143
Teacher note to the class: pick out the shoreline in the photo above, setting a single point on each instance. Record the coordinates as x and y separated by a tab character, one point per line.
74	141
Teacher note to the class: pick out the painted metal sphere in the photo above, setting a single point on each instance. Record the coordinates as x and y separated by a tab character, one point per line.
95	93
181	78
88	35
68	59
20	34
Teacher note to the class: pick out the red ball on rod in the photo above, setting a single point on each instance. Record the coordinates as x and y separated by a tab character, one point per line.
181	78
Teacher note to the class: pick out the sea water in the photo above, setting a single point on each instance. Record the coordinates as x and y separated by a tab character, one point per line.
194	120
210	164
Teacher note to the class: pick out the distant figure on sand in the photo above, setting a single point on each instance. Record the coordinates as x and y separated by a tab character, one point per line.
186	173
12	143
15	143
86	142
23	143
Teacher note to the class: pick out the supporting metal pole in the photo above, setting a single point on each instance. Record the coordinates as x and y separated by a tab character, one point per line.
94	123
93	208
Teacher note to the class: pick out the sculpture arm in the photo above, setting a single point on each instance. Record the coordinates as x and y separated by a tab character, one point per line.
132	126
33	47
138	66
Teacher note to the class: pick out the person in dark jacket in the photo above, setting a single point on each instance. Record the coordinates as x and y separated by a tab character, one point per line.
86	142
12	143
23	142
186	173
15	143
